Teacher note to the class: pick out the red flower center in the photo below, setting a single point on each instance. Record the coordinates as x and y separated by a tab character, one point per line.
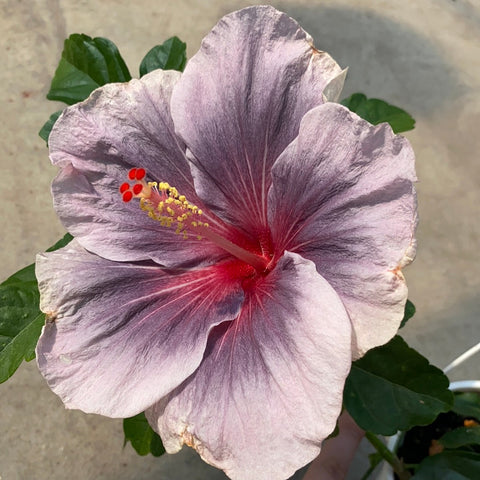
164	204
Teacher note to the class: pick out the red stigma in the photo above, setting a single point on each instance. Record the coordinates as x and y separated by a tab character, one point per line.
137	188
127	196
140	174
128	190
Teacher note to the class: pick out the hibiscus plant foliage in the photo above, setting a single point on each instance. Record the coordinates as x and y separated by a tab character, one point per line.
388	387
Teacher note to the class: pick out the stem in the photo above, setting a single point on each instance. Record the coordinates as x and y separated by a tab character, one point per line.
389	456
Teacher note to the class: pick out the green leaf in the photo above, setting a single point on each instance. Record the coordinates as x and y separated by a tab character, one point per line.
65	240
143	439
467	404
460	437
86	64
378	111
156	446
21	320
171	55
48	125
393	388
409	313
450	465
21	346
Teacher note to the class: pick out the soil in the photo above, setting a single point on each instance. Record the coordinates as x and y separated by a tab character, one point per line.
420	440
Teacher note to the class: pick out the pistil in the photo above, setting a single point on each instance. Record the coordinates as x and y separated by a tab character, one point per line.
164	204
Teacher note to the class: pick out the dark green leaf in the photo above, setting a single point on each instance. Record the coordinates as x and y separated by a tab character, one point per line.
378	111
393	388
47	127
460	437
86	64
21	346
450	465
409	313
156	446
467	404
171	55
66	239
143	439
24	276
21	320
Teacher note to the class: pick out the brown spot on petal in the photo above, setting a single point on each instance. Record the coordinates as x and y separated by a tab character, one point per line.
50	317
189	439
316	50
397	271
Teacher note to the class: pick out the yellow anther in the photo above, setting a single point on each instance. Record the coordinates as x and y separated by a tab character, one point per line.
164	204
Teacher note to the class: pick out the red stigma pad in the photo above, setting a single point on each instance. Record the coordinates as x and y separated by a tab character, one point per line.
140	173
137	188
124	187
132	174
127	196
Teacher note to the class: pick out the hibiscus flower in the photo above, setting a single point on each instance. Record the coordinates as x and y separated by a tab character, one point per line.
239	240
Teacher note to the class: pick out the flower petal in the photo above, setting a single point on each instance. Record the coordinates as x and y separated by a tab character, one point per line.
239	104
342	196
96	143
269	389
120	336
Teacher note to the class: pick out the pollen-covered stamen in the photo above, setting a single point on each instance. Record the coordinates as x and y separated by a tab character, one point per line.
164	204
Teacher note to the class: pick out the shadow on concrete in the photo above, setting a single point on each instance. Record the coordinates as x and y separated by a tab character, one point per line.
386	59
456	329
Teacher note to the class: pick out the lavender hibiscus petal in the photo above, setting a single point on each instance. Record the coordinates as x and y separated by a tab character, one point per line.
119	336
239	104
269	389
343	196
95	143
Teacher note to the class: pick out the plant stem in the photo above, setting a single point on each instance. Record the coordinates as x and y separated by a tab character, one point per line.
389	456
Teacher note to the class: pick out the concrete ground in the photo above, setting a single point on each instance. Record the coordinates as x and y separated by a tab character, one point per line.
423	56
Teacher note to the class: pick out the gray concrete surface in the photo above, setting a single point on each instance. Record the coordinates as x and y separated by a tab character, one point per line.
423	55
